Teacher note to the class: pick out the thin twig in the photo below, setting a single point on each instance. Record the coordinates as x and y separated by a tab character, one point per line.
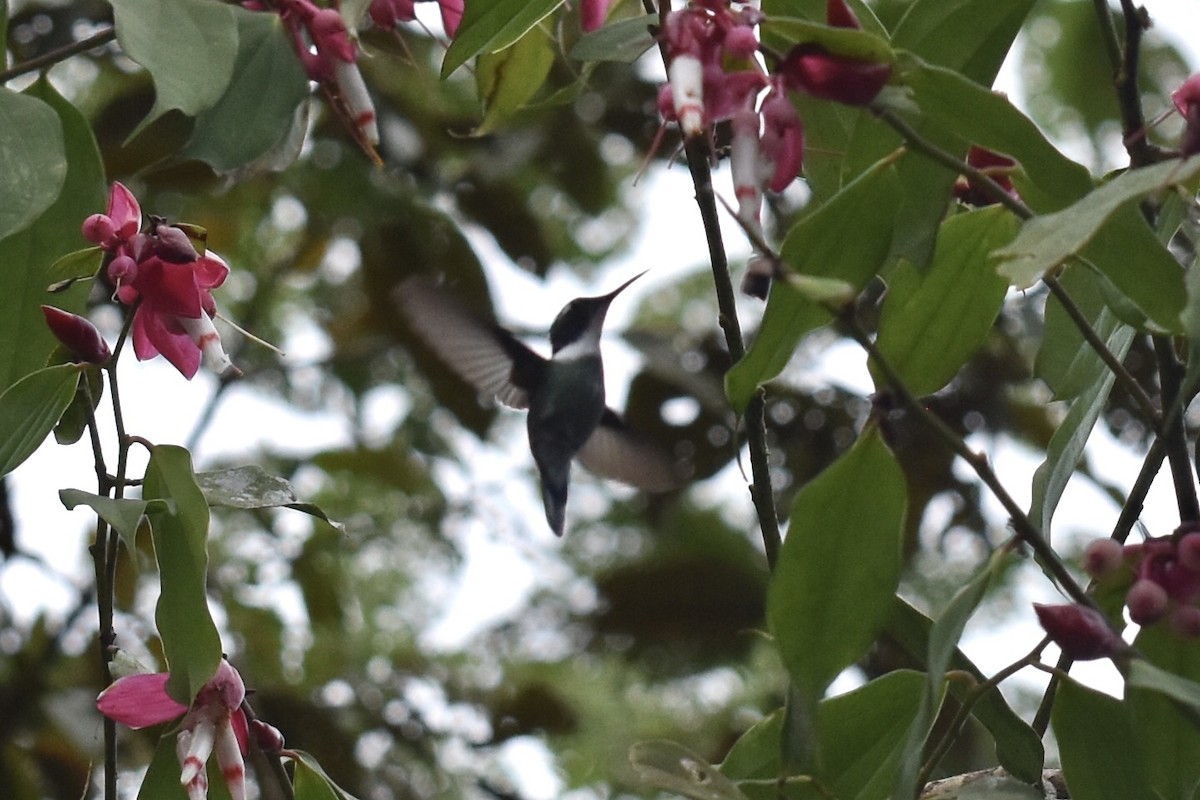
52	57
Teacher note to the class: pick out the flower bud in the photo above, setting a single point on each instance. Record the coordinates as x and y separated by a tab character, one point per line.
1147	602
122	270
173	245
1188	551
740	42
99	229
829	76
592	14
266	736
329	34
78	335
1081	632
1102	558
839	15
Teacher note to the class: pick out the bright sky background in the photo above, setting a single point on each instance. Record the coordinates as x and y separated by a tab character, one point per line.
500	572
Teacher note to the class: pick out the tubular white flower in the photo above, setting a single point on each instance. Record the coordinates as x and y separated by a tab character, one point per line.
202	331
686	75
354	91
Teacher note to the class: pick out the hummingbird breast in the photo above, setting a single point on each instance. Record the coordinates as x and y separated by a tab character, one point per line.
565	409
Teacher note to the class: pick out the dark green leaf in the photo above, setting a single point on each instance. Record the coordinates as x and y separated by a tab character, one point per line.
246	122
624	40
190	640
1069	440
1144	675
29	410
1169	739
971	36
508	79
838	568
74	267
674	768
1065	361
932	323
124	515
847	239
1154	281
317	785
943	646
25	341
35	163
1101	758
492	26
251	486
88	393
162	777
1018	747
187	46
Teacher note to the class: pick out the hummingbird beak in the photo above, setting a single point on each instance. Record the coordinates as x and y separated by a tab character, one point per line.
608	298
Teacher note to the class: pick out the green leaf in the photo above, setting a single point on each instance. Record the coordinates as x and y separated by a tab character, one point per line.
846	238
124	515
250	487
162	776
1144	675
860	735
624	40
316	780
29	410
1018	747
849	42
1169	740
246	122
506	80
1065	361
187	46
34	159
1109	216
492	26
1101	758
88	392
968	36
25	341
838	568
674	768
75	266
971	113
190	640
943	646
1069	440
932	323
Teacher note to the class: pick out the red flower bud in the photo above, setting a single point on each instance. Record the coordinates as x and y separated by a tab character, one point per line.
1147	602
839	15
1185	621
740	42
122	269
1081	632
99	229
811	68
1188	551
1102	558
78	334
592	14
267	737
173	245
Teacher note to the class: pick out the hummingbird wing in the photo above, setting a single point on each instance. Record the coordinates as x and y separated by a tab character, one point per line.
615	452
484	355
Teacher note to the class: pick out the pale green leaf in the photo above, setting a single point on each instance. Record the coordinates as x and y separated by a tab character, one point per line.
29	410
34	159
624	40
1101	758
251	487
508	79
674	768
492	26
1169	739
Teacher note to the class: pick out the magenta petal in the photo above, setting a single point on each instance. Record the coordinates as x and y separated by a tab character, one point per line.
139	701
155	332
124	210
211	271
452	14
592	13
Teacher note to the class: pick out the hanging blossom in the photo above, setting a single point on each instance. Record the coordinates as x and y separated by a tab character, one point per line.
170	285
996	166
214	722
812	69
330	57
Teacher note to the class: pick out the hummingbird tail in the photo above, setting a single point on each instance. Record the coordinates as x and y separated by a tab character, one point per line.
554	498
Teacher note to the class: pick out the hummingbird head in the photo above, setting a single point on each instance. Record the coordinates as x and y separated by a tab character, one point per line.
581	319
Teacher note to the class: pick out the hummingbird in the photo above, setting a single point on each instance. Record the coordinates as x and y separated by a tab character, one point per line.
564	394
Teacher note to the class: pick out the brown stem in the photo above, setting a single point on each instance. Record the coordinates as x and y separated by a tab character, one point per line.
52	57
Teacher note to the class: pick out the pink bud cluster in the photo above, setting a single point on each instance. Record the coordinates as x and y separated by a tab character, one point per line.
388	14
160	272
330	57
1165	574
713	75
1187	102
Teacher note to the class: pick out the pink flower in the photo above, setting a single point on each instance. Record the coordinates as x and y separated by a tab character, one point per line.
118	226
78	334
828	76
1187	101
215	721
996	166
174	315
592	13
452	14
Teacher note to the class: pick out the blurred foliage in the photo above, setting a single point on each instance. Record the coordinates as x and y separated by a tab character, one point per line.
646	623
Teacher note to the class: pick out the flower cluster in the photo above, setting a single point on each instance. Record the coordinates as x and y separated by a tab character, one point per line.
214	722
170	284
714	75
1187	102
330	57
1163	575
388	14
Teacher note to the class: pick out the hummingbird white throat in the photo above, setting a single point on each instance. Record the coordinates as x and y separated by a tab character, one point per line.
564	394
